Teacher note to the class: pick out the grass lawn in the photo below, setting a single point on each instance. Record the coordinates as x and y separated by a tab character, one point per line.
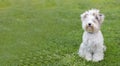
48	32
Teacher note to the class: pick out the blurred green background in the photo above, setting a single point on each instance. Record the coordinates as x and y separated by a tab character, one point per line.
48	32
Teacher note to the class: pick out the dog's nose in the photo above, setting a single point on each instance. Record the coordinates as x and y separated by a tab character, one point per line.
89	24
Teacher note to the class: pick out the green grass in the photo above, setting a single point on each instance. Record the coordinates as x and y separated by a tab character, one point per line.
48	32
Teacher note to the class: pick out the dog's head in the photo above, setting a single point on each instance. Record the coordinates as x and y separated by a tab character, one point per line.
92	20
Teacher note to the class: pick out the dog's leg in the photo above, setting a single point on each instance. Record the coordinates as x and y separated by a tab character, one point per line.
88	56
81	51
98	56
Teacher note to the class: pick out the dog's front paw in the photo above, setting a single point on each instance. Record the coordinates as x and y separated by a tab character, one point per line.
97	58
88	57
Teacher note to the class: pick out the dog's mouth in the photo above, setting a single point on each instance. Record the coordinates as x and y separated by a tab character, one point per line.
90	28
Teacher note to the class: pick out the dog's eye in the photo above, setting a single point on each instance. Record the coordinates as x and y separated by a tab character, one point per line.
96	17
100	15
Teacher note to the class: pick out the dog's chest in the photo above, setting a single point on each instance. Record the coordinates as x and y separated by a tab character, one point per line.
91	44
92	40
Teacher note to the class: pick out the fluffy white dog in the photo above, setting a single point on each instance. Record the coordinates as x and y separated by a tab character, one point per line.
92	48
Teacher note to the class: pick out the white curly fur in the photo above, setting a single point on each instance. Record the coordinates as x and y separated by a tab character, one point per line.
92	48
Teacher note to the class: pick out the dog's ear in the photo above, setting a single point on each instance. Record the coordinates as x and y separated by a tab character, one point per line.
101	17
83	16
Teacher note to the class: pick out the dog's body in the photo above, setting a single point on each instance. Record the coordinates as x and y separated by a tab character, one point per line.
92	48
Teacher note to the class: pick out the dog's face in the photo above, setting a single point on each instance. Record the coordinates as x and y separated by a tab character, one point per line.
92	20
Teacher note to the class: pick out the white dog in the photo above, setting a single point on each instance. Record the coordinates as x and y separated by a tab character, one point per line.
92	48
